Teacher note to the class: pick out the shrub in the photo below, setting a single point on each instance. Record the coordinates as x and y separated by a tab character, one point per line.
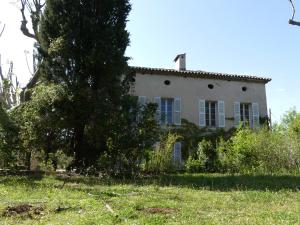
8	140
261	151
160	159
199	164
131	135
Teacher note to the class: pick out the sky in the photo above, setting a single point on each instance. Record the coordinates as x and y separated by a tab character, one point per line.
230	36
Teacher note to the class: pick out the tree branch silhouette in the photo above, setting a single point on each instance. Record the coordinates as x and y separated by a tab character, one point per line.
34	7
292	21
2	30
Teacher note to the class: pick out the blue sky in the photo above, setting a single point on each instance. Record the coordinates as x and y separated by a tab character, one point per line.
232	36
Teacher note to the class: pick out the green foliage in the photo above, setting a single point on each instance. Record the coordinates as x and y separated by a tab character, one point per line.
261	151
289	117
294	126
8	140
82	45
207	158
161	160
176	199
41	121
130	138
53	161
201	142
199	164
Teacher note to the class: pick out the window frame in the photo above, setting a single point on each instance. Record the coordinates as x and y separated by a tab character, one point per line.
164	120
208	116
243	116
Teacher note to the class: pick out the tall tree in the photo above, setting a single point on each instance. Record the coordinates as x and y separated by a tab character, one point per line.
82	45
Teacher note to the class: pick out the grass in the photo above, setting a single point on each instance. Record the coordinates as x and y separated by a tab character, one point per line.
174	199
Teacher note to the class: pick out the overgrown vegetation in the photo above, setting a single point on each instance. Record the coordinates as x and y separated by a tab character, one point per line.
8	140
264	151
78	102
78	114
160	159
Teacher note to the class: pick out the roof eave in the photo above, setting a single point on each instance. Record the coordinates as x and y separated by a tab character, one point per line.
201	74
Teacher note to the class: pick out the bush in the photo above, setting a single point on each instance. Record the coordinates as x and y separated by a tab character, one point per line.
199	164
160	159
8	140
131	135
261	151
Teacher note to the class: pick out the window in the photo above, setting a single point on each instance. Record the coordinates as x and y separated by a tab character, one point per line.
245	109
167	82
210	113
211	86
167	110
247	113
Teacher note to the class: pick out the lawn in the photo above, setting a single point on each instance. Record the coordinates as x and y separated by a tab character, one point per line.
173	199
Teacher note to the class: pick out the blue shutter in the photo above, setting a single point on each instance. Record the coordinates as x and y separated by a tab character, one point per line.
177	111
221	114
142	103
177	153
142	100
202	119
157	100
255	115
237	113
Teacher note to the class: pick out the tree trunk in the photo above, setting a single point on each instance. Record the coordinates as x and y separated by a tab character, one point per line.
79	161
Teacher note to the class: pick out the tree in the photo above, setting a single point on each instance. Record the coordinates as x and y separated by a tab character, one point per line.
8	139
9	88
82	45
41	128
35	9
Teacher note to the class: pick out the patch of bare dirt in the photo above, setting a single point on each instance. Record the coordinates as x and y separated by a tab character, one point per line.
159	210
23	209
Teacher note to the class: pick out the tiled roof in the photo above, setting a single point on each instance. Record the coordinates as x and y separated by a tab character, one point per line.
200	74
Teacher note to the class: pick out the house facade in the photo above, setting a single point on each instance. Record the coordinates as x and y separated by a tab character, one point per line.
207	99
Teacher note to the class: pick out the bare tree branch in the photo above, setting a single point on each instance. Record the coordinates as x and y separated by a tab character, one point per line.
292	21
24	21
293	8
1	31
35	9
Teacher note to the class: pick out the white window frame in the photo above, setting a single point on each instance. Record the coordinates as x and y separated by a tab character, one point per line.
243	114
209	119
164	115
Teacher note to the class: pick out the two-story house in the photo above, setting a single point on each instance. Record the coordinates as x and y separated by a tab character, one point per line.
208	99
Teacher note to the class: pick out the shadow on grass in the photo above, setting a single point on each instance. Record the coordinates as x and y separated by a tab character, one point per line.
217	182
214	182
25	178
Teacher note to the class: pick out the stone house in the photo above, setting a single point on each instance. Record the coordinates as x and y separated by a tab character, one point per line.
208	99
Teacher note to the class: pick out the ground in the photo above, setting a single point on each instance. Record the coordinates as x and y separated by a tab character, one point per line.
173	199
